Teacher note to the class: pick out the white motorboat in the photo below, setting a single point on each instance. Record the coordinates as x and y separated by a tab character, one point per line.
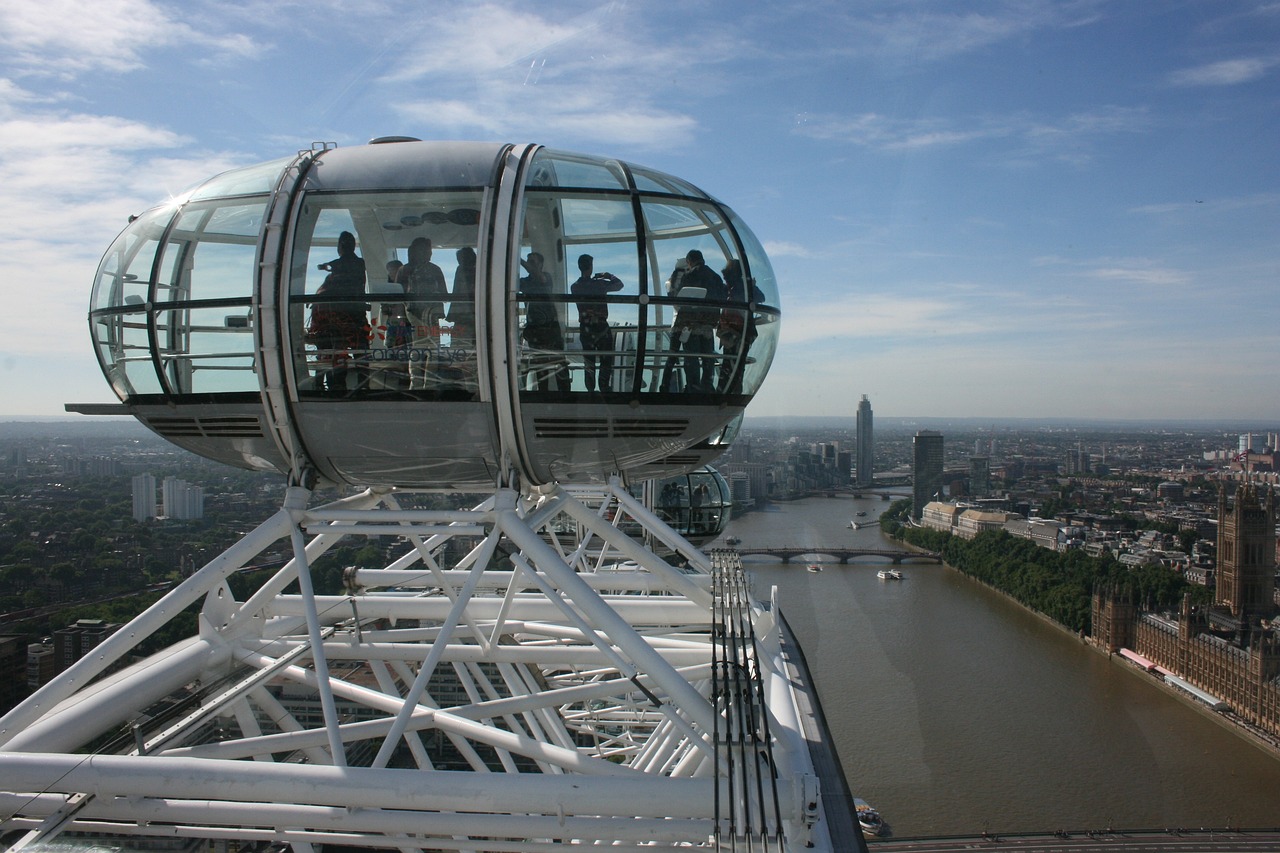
889	575
868	818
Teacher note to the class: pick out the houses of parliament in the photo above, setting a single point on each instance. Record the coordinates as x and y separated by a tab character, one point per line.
1230	650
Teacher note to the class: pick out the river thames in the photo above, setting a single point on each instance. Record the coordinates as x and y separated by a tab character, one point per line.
955	711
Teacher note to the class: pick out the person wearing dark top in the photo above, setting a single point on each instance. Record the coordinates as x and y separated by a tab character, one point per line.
393	326
348	265
337	326
424	291
542	329
462	307
593	322
737	329
694	328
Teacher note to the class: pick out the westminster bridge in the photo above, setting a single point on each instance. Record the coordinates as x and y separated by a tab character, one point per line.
825	554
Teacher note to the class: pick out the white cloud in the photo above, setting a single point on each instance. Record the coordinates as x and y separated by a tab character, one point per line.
1229	72
1141	273
909	33
64	38
877	131
1061	136
783	249
68	183
506	71
870	316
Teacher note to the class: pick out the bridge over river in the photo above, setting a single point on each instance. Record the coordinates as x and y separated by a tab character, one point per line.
824	554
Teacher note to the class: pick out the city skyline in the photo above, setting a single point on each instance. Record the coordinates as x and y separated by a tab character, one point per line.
1005	211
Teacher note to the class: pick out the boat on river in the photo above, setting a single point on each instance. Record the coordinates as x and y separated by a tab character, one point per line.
814	567
868	818
889	575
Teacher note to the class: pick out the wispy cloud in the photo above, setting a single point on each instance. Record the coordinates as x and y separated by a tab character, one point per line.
545	75
893	32
784	249
64	38
1268	201
1065	137
1228	72
67	183
571	116
1144	275
873	130
1139	271
867	316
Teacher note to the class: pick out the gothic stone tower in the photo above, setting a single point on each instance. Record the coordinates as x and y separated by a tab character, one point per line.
1246	554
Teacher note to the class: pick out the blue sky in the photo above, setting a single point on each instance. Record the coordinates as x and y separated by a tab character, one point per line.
986	209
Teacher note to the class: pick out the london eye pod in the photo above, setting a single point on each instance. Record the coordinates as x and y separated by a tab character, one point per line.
372	316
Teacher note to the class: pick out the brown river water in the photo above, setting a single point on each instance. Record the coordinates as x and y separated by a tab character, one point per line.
955	711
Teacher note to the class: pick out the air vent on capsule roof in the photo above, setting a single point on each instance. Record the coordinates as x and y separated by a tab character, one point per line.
382	140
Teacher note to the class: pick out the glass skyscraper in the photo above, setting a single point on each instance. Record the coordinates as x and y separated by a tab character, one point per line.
926	470
865	465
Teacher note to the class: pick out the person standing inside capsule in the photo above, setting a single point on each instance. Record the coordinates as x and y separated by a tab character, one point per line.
462	305
593	322
338	327
425	292
542	329
693	330
737	328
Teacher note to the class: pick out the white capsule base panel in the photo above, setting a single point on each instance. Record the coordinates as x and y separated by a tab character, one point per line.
516	675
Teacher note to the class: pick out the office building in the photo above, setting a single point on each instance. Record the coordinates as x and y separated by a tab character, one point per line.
980	476
865	464
926	470
144	497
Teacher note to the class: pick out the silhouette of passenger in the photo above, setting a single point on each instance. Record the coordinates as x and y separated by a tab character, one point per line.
339	326
462	308
348	265
393	325
593	322
737	329
542	329
336	329
693	329
425	292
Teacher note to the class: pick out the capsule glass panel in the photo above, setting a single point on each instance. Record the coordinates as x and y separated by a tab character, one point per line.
687	312
754	326
251	180
383	295
118	315
203	298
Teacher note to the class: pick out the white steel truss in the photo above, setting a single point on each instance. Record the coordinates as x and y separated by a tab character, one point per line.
549	668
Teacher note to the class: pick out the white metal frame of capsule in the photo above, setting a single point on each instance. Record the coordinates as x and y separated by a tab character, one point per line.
582	690
204	316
